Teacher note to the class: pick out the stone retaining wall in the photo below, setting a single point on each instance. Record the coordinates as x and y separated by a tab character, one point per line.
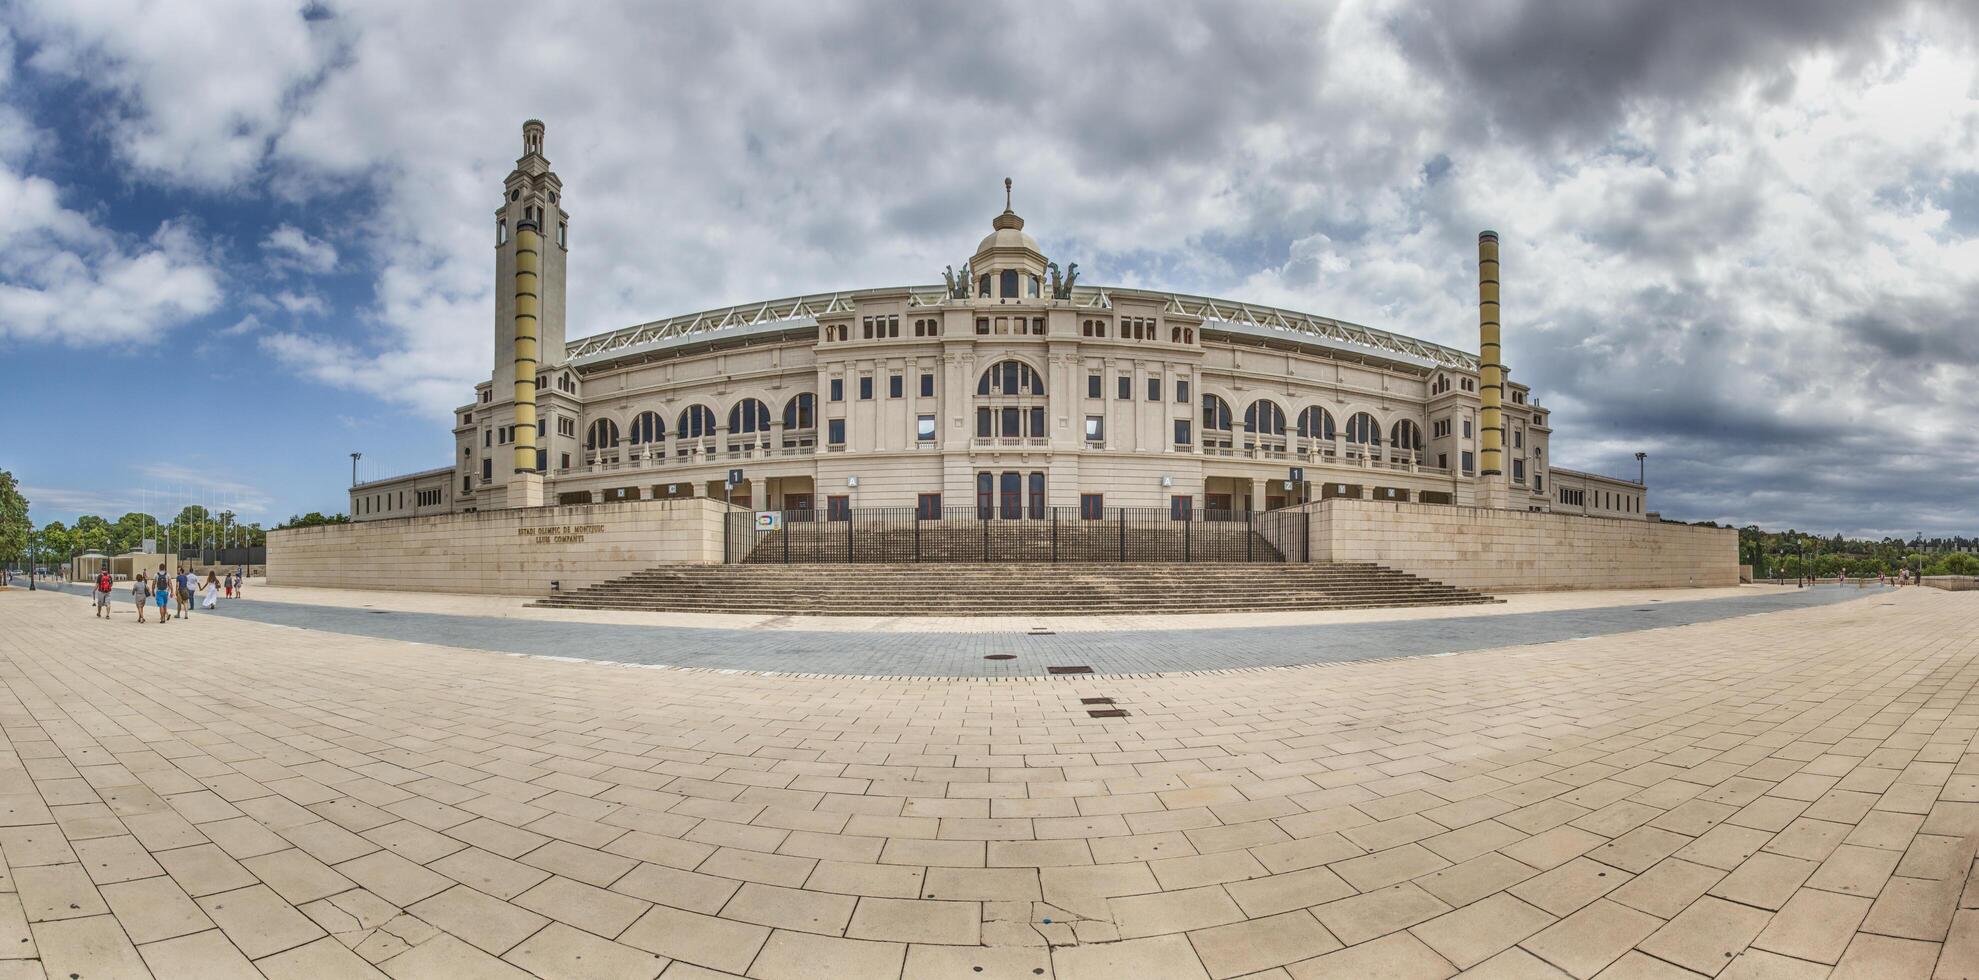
1952	583
1522	551
503	552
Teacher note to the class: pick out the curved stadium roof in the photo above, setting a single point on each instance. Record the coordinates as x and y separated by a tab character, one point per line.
800	311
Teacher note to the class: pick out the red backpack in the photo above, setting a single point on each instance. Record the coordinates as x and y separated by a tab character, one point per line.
103	582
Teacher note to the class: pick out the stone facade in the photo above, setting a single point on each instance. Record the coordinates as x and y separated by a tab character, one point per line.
1011	381
506	552
1520	551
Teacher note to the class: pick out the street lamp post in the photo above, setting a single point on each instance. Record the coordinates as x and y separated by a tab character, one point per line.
354	457
1640	469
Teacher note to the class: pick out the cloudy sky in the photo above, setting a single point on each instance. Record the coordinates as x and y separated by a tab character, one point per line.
247	239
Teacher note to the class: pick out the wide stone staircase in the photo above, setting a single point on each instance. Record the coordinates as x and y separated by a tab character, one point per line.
1018	540
1006	588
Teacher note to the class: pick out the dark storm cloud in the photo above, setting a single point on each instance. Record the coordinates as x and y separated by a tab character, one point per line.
1571	68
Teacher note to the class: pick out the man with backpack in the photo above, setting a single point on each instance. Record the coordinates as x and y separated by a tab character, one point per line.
103	594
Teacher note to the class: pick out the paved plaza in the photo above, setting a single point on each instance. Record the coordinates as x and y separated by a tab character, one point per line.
1779	792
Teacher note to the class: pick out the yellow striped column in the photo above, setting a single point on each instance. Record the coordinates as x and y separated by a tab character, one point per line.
1490	366
527	241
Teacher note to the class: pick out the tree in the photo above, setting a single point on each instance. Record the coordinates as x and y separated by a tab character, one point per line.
312	519
14	526
129	532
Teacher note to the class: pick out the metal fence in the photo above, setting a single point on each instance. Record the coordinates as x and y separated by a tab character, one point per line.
1043	534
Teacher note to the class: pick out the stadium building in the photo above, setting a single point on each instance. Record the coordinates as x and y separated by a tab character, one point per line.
1008	389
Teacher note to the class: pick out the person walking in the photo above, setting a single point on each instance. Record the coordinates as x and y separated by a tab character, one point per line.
212	590
103	594
228	583
181	592
141	592
161	590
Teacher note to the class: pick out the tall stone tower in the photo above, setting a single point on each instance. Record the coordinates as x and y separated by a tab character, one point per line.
532	239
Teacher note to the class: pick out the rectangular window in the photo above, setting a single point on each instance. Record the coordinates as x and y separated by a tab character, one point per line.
838	389
487	469
927	386
924	428
487	438
835	432
1518	471
1092	506
896	386
866	388
983	423
1010	423
1126	387
1180	507
1181	392
982	325
1154	389
564	458
838	508
1181	432
1518	438
928	507
1442	461
1095	428
1093	386
1468	462
1037	424
1467	428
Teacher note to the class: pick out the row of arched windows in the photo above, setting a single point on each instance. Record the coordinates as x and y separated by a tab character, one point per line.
1265	417
749	415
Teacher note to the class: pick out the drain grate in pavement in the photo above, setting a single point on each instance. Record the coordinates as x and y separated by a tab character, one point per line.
1082	669
1095	700
1001	656
1108	713
379	612
1041	631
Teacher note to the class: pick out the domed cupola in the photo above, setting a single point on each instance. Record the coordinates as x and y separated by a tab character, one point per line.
1007	265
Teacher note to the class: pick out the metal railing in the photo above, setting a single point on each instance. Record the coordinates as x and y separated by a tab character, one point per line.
1013	531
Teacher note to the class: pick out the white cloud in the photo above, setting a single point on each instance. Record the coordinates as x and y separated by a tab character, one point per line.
300	303
1742	257
289	247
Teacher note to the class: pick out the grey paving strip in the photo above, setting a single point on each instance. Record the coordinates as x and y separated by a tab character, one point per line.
935	654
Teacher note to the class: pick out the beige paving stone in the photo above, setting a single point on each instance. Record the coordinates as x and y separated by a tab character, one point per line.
804	956
1758	964
258	921
964	963
1378	913
1725	847
1814	925
910	921
208	954
394	878
444	957
325	957
559	951
152	909
587	907
1243	948
57	891
1871	957
1567	888
1764	880
88	947
1285	892
1960	955
489	873
1553	848
1514	964
205	869
482	920
1171	912
1376	870
1855	870
705	940
296	876
1475	878
1474	933
1705	936
1584	943
1400	956
1914	908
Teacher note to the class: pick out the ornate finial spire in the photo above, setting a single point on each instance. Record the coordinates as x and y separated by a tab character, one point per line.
1006	193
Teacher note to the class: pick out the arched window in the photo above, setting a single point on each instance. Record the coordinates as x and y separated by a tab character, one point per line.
1010	378
1363	430
647	427
603	434
1264	417
1406	435
1216	414
696	422
1316	423
749	415
798	411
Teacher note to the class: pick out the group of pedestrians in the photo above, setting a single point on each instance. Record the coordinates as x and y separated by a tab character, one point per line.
171	593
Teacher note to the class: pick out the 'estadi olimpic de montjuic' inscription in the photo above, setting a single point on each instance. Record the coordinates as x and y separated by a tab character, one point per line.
559	533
